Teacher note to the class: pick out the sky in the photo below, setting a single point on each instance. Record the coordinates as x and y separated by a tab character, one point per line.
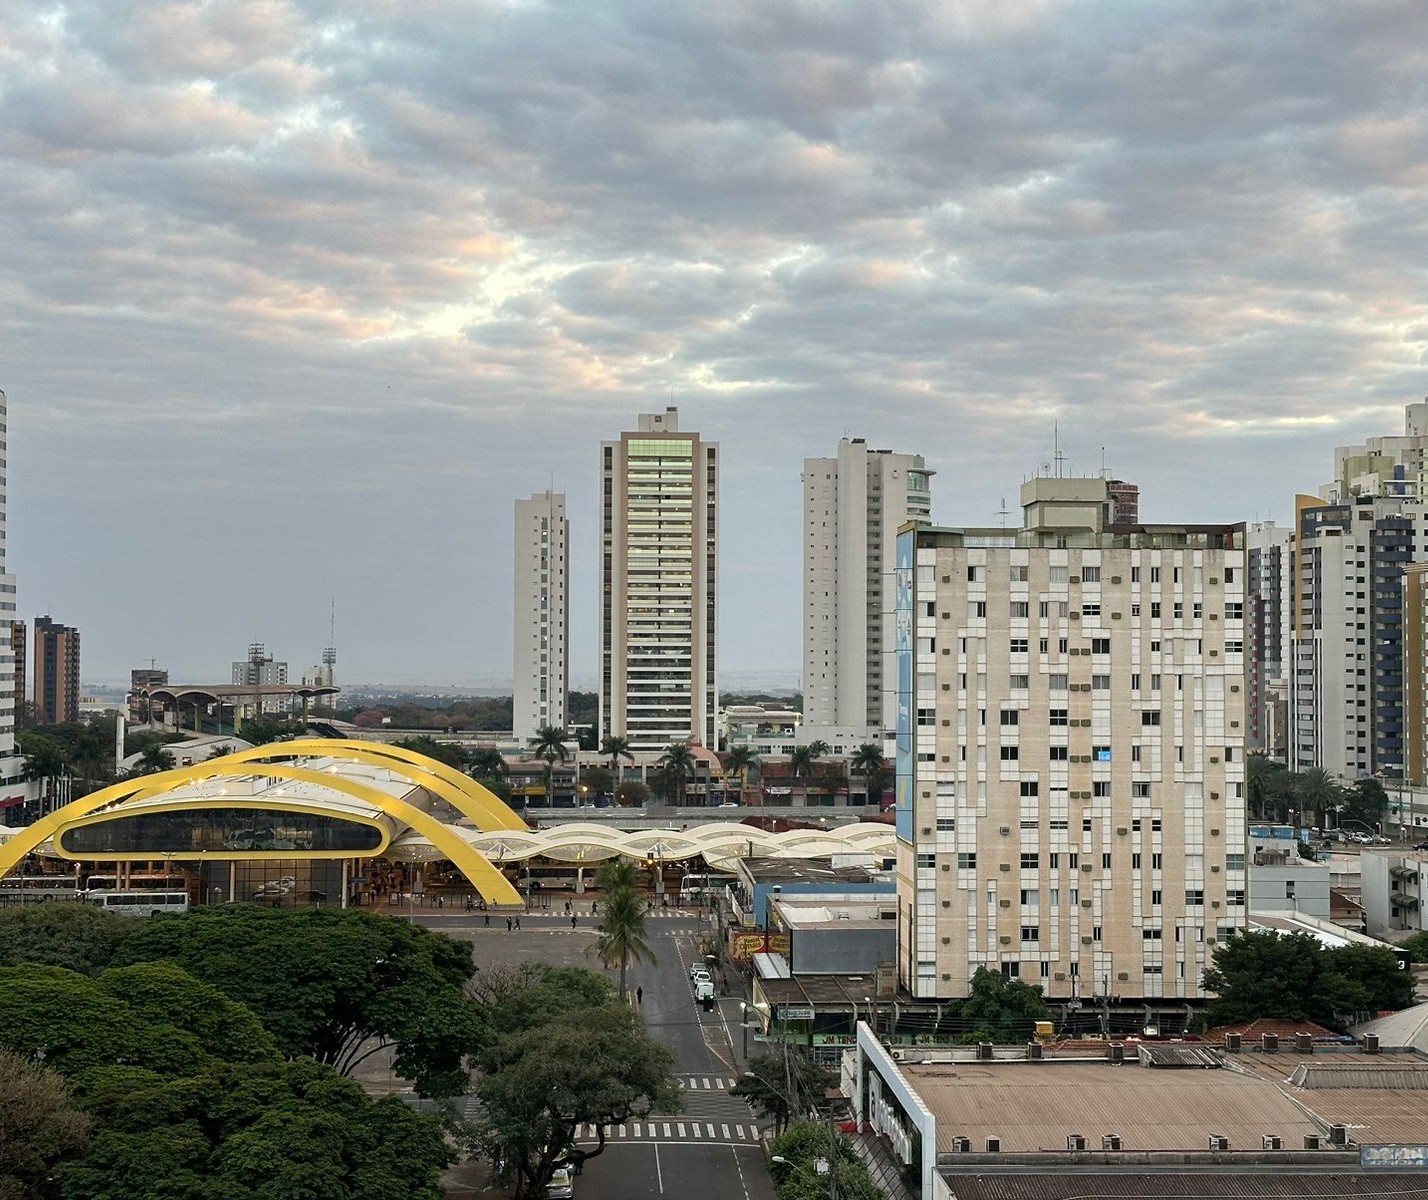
298	297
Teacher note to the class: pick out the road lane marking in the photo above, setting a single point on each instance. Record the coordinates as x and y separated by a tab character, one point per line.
659	1175
680	1128
666	1131
725	1130
711	1130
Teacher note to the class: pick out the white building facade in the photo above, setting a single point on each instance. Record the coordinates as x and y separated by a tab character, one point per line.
658	585
1269	636
1070	750
542	611
853	506
13	788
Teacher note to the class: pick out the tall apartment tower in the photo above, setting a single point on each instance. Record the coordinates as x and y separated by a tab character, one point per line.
11	769
56	672
1070	762
853	506
1415	674
542	655
658	585
19	655
1269	609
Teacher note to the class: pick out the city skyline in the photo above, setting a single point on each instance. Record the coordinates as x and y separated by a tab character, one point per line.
283	299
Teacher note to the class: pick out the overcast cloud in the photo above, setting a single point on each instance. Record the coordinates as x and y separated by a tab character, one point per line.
297	298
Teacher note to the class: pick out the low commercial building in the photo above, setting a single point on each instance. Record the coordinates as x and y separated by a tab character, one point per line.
1158	1119
1393	891
836	935
1280	879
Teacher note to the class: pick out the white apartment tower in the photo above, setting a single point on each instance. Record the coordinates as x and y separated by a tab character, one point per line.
12	774
1071	740
853	506
542	659
658	575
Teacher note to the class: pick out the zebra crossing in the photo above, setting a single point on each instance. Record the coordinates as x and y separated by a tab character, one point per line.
673	1129
694	1083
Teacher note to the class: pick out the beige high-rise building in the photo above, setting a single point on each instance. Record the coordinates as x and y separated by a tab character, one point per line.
56	674
853	506
542	655
11	768
658	585
1071	740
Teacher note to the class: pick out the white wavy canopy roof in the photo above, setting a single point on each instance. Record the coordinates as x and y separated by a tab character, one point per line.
720	845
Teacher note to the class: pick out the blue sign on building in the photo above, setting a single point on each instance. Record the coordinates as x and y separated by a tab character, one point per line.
1394	1158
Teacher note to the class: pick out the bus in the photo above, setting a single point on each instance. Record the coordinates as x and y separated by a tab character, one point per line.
703	889
37	889
136	882
139	904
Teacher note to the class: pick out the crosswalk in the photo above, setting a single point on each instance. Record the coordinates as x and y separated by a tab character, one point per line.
694	1083
672	1129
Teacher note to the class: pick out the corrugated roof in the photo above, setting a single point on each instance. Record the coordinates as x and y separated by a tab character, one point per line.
1361	1074
1408	1027
1373	1114
1033	1106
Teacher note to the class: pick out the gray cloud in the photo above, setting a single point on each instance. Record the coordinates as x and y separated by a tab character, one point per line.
300	296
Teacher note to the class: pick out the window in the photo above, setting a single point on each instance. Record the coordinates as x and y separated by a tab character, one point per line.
1234	612
1154	574
1150	717
1018	574
927	861
1234	647
1140	790
1029	862
1057	683
1100	683
1100	754
946	824
1055	859
1055	824
1020	610
974	574
1229	574
1135	754
1100	645
1090	610
1157	861
1043	645
1018	646
1135	862
1018	683
1059	716
1085	827
1030	787
1059	574
1101	788
1135	681
1157	897
1030	933
1010	716
1177	611
1074	860
1043	610
1010	753
1195	898
1105	862
1151	935
1059	753
1155	610
1154	969
1095	933
1090	574
976	610
1135	574
1031	896
1155	824
1235	896
967	862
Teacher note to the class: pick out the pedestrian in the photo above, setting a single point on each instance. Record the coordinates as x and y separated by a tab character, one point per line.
574	920
440	902
518	922
567	908
639	995
488	920
508	924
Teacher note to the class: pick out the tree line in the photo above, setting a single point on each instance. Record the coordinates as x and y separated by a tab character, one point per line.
1319	798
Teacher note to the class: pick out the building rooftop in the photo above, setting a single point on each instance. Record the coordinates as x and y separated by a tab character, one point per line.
784	870
1237	1183
823	912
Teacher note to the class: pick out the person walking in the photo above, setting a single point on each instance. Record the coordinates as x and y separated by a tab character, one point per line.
574	920
640	996
508	924
488	920
518	922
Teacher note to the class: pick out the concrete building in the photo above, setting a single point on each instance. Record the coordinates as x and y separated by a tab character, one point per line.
831	935
1281	880
1377	465
542	614
658	585
853	506
260	670
1393	891
1347	695
1415	674
56	672
1070	749
1269	607
19	654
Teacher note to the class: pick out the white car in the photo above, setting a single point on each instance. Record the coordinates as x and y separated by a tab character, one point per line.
701	977
561	1185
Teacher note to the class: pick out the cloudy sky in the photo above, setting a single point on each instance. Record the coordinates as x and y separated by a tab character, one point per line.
297	297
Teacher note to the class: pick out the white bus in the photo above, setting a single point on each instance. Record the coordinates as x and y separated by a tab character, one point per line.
36	889
703	889
139	904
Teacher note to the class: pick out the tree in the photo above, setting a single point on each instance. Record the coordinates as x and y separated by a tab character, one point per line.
265	1130
1365	803
45	756
1318	792
578	1065
336	984
78	937
271	727
486	762
1416	945
622	937
677	761
1269	786
801	1147
867	759
778	1087
152	759
1374	979
550	748
998	1008
631	794
740	761
39	1128
596	780
443	752
803	762
615	748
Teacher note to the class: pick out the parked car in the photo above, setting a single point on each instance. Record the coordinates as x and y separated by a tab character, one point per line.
1421	846
561	1185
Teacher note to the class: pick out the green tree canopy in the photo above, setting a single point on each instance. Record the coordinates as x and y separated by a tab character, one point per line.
778	1088
78	937
335	984
591	1065
40	1128
631	794
261	1131
486	762
802	1146
998	1008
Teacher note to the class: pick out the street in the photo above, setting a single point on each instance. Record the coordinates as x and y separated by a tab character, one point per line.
713	1145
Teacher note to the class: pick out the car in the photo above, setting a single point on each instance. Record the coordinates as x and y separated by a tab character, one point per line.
700	976
561	1185
695	968
1421	846
704	989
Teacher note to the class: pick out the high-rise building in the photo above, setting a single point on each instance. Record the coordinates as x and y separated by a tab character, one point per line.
11	765
658	585
258	670
56	682
542	612
141	707
1269	610
1070	749
853	506
1415	674
19	653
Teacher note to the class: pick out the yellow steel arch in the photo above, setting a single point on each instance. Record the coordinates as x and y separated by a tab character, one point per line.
468	797
246	802
474	865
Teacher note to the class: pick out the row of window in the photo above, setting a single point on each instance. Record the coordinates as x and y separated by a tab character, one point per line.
1085	574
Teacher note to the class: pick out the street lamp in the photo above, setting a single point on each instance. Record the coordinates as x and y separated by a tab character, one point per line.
820	1165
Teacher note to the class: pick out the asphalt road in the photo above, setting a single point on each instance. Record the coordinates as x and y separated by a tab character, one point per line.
712	1146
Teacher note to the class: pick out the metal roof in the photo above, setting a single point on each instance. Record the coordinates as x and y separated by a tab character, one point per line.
1239	1184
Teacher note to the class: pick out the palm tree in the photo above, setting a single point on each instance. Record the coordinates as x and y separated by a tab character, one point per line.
44	756
615	748
614	874
1318	792
866	759
803	760
152	759
678	761
622	932
550	747
740	761
486	762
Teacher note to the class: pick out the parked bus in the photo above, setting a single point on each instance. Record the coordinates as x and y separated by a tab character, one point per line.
139	904
136	882
703	889
37	889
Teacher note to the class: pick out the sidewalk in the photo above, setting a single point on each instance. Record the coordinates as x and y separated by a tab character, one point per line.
884	1168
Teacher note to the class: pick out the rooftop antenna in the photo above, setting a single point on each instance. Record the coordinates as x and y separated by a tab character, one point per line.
329	652
1057	457
1103	462
1004	512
